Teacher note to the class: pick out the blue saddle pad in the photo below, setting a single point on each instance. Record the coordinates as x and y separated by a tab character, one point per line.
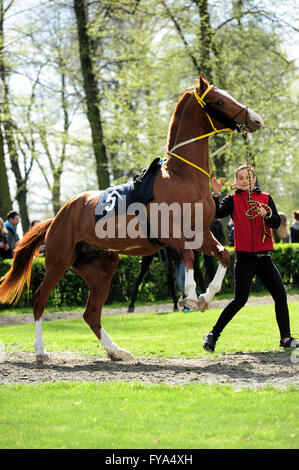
115	200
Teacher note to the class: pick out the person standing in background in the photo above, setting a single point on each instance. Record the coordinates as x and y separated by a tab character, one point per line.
13	218
281	234
4	247
295	228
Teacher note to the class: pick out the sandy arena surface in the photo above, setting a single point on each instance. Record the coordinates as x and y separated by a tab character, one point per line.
239	370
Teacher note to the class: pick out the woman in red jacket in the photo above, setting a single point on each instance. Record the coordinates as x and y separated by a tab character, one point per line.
252	247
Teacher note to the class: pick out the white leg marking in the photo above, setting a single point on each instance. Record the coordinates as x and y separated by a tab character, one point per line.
215	286
114	351
41	354
190	289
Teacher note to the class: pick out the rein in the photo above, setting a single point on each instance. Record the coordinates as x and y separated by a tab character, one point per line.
209	110
254	206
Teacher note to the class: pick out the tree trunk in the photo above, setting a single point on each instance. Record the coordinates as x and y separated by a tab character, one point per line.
21	182
92	96
56	191
205	39
5	199
206	63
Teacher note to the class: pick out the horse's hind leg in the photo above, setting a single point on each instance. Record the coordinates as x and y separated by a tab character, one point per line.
97	271
145	264
54	271
170	280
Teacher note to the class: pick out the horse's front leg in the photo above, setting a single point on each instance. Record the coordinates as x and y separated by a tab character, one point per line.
187	254
204	300
212	247
190	300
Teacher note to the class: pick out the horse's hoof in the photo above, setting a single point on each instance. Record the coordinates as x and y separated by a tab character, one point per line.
120	355
130	309
42	358
201	304
175	308
190	303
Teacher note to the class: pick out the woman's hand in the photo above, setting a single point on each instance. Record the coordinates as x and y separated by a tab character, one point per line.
263	212
216	185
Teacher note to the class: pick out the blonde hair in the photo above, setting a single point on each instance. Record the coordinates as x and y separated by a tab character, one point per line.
3	229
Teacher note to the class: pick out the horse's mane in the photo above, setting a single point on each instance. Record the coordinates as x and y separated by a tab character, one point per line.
174	123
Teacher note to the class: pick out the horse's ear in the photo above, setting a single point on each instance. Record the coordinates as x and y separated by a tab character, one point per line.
203	82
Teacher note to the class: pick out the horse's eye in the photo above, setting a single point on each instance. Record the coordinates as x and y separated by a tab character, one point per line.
219	102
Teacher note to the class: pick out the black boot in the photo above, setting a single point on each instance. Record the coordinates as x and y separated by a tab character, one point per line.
289	342
209	342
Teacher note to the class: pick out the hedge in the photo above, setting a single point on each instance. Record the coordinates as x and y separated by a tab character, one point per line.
72	290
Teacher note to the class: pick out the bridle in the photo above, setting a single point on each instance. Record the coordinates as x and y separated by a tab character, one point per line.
219	115
232	127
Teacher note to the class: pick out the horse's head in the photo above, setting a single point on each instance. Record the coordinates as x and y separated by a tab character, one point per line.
224	109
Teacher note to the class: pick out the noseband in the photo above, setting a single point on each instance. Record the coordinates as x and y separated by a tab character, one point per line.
231	124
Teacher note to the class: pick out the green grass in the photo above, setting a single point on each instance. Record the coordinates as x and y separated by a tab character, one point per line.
132	416
15	310
135	416
174	334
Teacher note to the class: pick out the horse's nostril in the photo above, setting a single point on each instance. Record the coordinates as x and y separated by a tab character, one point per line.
258	123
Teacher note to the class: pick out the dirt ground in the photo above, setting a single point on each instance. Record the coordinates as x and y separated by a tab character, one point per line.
239	370
242	369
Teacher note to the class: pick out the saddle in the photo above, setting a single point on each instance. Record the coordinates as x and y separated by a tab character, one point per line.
115	200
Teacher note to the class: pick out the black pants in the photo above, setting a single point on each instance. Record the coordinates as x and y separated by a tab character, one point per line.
246	267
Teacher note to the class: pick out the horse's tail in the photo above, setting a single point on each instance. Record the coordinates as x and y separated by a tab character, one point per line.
13	281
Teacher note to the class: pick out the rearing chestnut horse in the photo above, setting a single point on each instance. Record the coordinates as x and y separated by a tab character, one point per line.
70	237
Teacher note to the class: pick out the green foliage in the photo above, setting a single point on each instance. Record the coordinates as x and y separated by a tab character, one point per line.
145	55
153	287
286	258
72	290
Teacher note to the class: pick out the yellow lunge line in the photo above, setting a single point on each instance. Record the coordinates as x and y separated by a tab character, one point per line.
190	163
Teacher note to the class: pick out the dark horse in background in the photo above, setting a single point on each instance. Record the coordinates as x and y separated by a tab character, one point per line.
169	257
183	177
